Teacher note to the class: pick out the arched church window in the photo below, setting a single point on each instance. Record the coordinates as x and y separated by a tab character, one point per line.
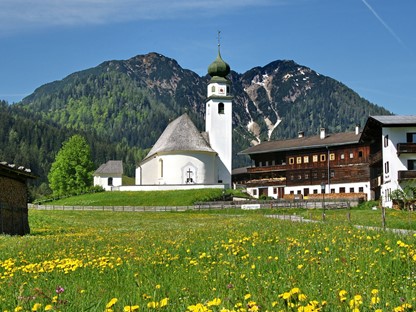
161	168
221	108
110	181
213	89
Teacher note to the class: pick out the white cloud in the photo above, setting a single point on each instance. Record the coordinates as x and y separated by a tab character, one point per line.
20	15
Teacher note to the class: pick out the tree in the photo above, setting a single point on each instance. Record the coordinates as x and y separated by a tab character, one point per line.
405	197
71	172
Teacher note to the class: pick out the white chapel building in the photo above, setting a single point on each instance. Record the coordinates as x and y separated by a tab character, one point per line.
185	158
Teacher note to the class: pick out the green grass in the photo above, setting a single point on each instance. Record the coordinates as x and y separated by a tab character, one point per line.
150	198
236	261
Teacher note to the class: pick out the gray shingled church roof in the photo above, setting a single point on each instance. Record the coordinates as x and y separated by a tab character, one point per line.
110	167
180	135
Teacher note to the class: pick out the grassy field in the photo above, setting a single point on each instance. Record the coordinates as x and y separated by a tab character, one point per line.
151	198
213	261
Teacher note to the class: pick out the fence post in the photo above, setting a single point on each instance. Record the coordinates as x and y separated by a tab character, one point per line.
383	217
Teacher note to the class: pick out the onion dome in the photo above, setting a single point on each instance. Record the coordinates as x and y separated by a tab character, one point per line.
218	68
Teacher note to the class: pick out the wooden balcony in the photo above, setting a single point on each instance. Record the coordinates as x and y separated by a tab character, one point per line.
406	148
375	158
405	175
266	169
376	182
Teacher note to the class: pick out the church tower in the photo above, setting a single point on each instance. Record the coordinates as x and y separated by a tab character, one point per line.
218	118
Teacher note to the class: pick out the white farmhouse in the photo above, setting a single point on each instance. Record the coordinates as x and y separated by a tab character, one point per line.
109	175
394	143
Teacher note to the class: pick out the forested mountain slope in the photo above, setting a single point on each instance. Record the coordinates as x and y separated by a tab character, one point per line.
123	106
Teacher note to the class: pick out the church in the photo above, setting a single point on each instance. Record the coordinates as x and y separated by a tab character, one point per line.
185	158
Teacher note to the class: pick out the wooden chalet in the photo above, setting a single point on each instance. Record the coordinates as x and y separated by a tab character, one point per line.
337	163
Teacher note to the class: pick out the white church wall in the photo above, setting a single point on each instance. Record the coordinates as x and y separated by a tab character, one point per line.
178	168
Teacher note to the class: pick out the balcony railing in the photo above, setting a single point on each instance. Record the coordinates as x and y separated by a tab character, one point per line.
267	168
406	175
406	148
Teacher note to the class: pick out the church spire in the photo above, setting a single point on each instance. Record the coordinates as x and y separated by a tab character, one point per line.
219	69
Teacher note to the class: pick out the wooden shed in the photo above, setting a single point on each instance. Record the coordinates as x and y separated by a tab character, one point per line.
13	199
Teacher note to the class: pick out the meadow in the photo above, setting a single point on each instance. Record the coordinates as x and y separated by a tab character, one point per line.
203	261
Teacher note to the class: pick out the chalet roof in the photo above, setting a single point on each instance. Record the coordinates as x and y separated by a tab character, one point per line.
15	171
373	127
395	120
181	135
110	167
299	143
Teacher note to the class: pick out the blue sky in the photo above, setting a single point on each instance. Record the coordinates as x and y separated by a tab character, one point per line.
369	45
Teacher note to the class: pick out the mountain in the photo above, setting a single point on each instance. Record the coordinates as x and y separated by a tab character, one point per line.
124	105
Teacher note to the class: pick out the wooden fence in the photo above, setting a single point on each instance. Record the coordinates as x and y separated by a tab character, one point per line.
311	204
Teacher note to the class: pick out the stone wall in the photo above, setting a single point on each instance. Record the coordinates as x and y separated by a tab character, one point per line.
13	206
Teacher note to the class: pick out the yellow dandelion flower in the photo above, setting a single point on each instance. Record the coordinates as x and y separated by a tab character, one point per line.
18	309
163	302
36	307
49	307
214	302
247	296
152	305
111	303
131	308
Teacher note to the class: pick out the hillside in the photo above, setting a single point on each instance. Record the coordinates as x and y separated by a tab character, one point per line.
122	106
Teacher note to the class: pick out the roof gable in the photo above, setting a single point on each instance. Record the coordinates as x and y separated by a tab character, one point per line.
110	167
181	135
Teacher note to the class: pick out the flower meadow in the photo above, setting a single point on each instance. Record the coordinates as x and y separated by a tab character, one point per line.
190	261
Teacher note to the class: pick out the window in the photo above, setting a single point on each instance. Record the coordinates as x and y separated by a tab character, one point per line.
332	156
360	154
267	163
315	175
254	192
273	162
275	190
342	156
323	157
291	161
161	168
221	108
411	164
332	173
315	191
306	159
342	189
323	175
386	167
351	190
411	137
260	164
213	89
292	177
386	141
228	89
292	192
299	177
361	189
315	158
298	160
306	176
351	155
110	181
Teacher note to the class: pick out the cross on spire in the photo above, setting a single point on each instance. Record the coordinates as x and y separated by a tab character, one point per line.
219	39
